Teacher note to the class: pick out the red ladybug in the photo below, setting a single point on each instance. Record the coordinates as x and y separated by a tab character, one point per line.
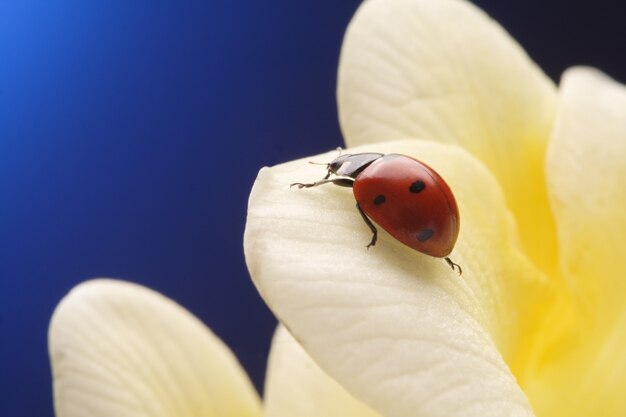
402	195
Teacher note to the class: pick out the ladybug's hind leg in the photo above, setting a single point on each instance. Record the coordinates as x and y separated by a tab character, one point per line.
369	224
453	265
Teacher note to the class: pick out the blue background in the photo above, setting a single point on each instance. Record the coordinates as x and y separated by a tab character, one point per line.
131	134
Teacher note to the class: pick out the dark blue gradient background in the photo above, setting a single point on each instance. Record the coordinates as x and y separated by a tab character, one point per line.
131	133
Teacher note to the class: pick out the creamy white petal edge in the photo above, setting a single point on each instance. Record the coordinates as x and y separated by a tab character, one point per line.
296	386
399	330
587	177
120	349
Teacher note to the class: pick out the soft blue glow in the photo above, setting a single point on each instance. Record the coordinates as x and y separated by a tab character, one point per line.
130	135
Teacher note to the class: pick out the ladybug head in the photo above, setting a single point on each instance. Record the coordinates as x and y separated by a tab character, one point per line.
351	165
337	163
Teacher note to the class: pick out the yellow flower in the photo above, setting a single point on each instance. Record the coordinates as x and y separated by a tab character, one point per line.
537	323
536	326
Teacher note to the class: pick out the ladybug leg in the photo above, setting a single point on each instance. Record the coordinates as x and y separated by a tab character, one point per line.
453	265
369	224
342	181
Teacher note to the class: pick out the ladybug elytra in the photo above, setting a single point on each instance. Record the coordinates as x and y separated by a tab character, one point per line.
402	195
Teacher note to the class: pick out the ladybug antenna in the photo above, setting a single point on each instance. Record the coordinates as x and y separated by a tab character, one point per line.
338	149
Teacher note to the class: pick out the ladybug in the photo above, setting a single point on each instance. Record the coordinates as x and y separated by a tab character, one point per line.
402	195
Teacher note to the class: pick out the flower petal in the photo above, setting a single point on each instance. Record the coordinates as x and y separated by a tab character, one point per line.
587	178
296	386
443	70
583	372
119	349
399	330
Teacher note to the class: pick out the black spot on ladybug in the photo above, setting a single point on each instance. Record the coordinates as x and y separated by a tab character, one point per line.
417	186
425	234
380	199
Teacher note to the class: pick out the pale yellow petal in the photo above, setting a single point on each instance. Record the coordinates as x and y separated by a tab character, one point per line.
583	372
119	349
443	70
296	386
399	330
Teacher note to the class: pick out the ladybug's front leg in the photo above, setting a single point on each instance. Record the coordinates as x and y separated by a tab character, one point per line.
369	224
341	181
